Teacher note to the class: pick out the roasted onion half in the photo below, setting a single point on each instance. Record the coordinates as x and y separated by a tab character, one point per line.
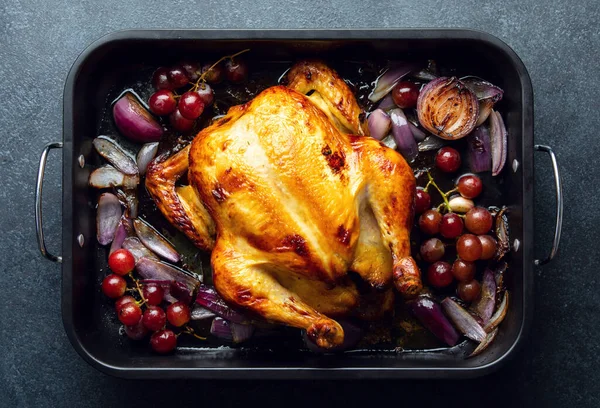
447	108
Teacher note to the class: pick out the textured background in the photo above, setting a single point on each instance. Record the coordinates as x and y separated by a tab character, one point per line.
557	40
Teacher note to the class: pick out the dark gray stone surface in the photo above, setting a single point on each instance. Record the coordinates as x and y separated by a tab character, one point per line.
559	43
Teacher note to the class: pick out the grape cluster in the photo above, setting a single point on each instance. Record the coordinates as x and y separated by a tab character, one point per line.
468	233
149	314
194	83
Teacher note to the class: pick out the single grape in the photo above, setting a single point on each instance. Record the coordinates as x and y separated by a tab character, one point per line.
429	222
136	332
468	247
468	291
178	77
121	262
123	301
114	286
451	225
469	185
236	70
447	160
190	105
130	314
439	274
215	75
206	93
163	341
488	247
405	94
179	122
192	70
479	220
154	318
178	314
162	102
160	79
463	271
153	294
432	250
422	201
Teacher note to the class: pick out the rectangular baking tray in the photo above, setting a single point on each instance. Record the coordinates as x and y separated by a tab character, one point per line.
86	89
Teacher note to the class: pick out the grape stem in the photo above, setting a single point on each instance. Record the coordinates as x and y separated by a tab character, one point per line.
190	331
139	289
201	78
446	203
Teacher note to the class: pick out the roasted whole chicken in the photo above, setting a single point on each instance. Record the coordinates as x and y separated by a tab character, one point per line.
307	218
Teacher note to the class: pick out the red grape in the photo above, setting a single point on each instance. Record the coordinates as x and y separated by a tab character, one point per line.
236	70
429	222
190	105
160	79
179	122
451	225
215	75
121	262
488	247
130	314
123	301
206	93
422	201
192	70
136	332
154	318
405	94
439	274
468	247
153	294
432	250
163	341
469	185
468	291
479	220
463	271
162	102
178	314
114	286
178	77
447	160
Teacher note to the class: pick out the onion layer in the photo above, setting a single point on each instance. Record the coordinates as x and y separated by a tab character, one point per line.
134	121
107	176
479	153
386	81
145	156
379	124
447	108
463	320
430	314
405	141
484	306
115	155
107	218
155	241
499	140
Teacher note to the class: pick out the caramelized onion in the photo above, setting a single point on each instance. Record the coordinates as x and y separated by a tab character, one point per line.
447	108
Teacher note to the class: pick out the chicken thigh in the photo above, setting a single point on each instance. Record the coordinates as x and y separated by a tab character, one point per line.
295	201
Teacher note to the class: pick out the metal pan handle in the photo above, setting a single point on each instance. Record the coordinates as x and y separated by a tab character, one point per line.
38	202
559	205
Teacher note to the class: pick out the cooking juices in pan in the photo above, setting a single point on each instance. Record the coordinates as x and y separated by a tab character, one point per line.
459	237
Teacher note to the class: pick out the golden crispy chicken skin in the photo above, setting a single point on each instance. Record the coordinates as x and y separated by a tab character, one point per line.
292	201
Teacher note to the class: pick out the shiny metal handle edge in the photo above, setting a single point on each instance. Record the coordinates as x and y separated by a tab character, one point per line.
38	202
559	205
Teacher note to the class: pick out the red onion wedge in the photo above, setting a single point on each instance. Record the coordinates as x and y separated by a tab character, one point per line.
107	176
210	299
107	218
138	250
352	335
235	332
386	81
431	143
489	339
155	241
130	200
430	314
379	124
151	269
134	121
387	103
119	238
499	314
145	156
502	234
499	140
463	320
407	146
482	88
479	151
115	155
418	134
201	313
447	108
485	304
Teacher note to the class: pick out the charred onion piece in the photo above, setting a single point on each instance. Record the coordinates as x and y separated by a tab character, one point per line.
115	155
138	250
145	156
499	140
405	141
386	81
463	320
107	176
431	143
150	269
430	314
134	121
479	153
230	331
209	298
447	108
155	241
107	218
201	313
484	306
379	124
502	233
120	236
499	315
485	343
